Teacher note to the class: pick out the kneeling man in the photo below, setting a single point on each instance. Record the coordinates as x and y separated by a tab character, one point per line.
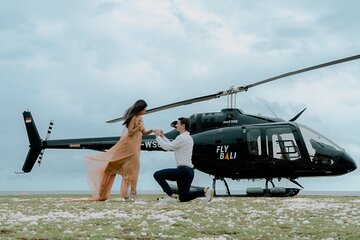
183	174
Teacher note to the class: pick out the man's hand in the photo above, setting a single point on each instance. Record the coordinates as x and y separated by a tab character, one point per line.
159	133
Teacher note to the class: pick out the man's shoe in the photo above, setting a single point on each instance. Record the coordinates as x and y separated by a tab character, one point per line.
209	194
167	200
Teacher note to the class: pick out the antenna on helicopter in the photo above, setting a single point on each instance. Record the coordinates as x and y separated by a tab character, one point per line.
297	115
271	110
232	91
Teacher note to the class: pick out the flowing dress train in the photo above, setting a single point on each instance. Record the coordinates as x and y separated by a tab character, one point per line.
123	158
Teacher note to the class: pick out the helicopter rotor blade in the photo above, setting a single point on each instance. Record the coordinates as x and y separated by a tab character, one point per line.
342	60
233	90
175	104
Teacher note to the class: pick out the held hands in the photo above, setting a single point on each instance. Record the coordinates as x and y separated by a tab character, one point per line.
159	132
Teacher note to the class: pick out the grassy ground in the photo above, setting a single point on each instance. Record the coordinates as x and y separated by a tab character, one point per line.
303	217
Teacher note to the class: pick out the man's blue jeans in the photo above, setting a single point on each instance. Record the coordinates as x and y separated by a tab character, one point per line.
183	176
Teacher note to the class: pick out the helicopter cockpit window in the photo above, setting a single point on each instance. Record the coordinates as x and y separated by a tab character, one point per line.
317	145
254	142
281	144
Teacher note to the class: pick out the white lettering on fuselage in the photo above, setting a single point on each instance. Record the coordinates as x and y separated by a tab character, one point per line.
151	144
230	121
222	149
223	153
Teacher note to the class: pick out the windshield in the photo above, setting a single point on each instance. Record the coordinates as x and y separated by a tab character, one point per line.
315	141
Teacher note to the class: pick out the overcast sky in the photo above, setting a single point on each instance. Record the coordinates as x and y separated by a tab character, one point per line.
81	63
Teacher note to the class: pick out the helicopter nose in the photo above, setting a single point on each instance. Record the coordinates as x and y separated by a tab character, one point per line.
346	163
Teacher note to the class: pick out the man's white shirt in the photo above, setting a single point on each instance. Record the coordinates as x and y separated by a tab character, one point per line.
182	146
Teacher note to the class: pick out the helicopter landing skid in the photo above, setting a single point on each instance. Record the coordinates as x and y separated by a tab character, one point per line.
259	192
250	192
226	186
273	192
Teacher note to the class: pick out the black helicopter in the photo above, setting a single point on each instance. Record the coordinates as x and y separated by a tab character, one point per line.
232	144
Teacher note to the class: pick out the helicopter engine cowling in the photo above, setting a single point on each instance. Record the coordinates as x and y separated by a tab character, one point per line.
228	117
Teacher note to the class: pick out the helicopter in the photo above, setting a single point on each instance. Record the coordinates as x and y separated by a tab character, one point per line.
232	144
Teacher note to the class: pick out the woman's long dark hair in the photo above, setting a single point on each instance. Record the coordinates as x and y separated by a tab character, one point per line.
138	106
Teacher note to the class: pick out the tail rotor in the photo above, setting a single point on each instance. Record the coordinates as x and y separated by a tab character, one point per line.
46	138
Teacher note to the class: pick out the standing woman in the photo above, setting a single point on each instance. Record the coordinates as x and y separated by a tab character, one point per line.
123	158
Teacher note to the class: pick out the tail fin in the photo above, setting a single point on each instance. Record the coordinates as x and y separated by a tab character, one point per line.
35	142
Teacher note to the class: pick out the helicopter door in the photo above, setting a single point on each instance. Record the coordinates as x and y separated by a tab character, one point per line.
254	142
281	144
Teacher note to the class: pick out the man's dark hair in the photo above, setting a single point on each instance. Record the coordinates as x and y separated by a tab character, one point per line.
185	121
